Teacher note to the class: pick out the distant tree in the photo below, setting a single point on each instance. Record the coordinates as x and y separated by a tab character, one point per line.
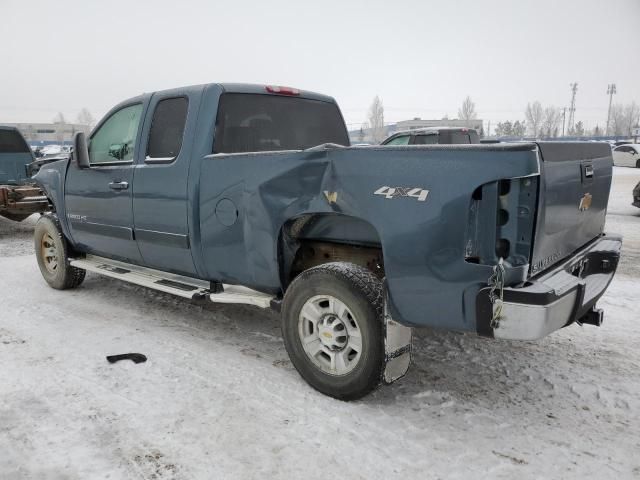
468	111
60	123
376	120
85	118
534	115
617	123
361	134
631	117
519	128
504	129
578	129
550	122
597	131
445	117
59	119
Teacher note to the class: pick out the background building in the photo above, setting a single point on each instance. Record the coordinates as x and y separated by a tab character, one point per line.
41	134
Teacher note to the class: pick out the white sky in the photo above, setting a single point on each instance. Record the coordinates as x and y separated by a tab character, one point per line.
421	57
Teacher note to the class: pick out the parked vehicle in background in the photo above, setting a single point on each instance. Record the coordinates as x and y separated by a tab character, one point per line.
251	194
19	198
627	155
433	136
15	155
636	196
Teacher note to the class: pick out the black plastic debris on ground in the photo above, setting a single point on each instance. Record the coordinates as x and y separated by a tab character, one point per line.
136	357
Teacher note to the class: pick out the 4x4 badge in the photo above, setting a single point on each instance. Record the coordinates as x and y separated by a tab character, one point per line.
585	202
395	192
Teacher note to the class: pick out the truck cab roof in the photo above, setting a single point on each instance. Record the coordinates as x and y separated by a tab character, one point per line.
249	88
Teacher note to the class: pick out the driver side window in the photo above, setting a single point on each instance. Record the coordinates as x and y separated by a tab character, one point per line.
115	139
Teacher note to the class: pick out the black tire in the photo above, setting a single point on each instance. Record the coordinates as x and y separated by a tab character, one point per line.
63	276
637	163
362	292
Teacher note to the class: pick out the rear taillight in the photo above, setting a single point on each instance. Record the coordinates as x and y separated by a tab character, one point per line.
282	90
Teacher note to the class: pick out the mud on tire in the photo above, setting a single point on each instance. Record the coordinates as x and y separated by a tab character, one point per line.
52	252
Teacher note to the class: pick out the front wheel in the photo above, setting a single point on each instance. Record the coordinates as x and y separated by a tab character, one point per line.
332	324
52	252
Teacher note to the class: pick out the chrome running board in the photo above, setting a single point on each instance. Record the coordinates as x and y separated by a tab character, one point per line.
179	285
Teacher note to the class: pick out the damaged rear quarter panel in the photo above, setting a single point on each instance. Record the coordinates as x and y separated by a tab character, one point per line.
422	241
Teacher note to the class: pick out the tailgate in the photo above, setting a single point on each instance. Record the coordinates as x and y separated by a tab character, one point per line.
575	179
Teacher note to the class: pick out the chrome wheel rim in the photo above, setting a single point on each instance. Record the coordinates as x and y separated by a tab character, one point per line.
330	335
49	253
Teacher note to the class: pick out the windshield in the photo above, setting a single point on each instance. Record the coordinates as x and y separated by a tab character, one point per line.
258	123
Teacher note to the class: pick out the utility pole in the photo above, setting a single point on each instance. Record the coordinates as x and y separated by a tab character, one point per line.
572	108
611	91
564	116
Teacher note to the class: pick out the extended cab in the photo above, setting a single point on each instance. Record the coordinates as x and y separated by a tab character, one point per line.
251	194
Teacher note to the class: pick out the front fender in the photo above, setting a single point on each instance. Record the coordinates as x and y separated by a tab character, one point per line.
51	179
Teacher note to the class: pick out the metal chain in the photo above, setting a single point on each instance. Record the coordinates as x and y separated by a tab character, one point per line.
496	283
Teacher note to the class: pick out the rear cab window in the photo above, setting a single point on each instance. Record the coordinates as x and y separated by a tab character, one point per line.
248	122
167	130
426	139
12	142
454	137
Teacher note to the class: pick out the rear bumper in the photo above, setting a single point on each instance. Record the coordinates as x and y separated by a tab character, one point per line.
557	297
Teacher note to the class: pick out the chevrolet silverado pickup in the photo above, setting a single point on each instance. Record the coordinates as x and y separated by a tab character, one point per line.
251	194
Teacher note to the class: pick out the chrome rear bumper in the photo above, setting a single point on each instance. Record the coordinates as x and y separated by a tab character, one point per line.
561	295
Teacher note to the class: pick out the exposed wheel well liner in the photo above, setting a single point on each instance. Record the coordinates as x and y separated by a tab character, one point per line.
315	239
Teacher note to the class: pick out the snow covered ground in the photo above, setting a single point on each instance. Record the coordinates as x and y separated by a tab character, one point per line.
218	397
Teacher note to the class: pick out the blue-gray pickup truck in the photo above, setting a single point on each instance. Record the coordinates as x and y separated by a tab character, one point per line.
251	194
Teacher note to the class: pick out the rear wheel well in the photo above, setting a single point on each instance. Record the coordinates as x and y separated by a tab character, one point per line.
303	246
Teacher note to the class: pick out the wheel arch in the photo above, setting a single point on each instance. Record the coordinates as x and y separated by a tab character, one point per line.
313	239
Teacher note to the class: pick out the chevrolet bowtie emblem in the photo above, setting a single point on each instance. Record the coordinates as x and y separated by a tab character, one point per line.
585	202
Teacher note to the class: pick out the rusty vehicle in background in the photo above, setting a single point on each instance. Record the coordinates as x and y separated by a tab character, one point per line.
19	196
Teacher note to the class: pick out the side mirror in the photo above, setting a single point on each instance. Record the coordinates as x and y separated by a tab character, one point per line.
80	150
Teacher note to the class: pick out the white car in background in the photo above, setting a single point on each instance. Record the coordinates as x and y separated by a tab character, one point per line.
627	155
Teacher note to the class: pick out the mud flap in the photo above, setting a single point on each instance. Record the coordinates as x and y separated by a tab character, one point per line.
397	349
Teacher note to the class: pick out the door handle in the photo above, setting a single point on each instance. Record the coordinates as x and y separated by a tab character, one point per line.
119	185
588	171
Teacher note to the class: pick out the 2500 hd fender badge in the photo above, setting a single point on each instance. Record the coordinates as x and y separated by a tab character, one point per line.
77	218
395	192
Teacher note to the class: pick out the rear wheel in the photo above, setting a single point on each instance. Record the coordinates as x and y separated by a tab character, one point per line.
332	324
52	252
637	163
